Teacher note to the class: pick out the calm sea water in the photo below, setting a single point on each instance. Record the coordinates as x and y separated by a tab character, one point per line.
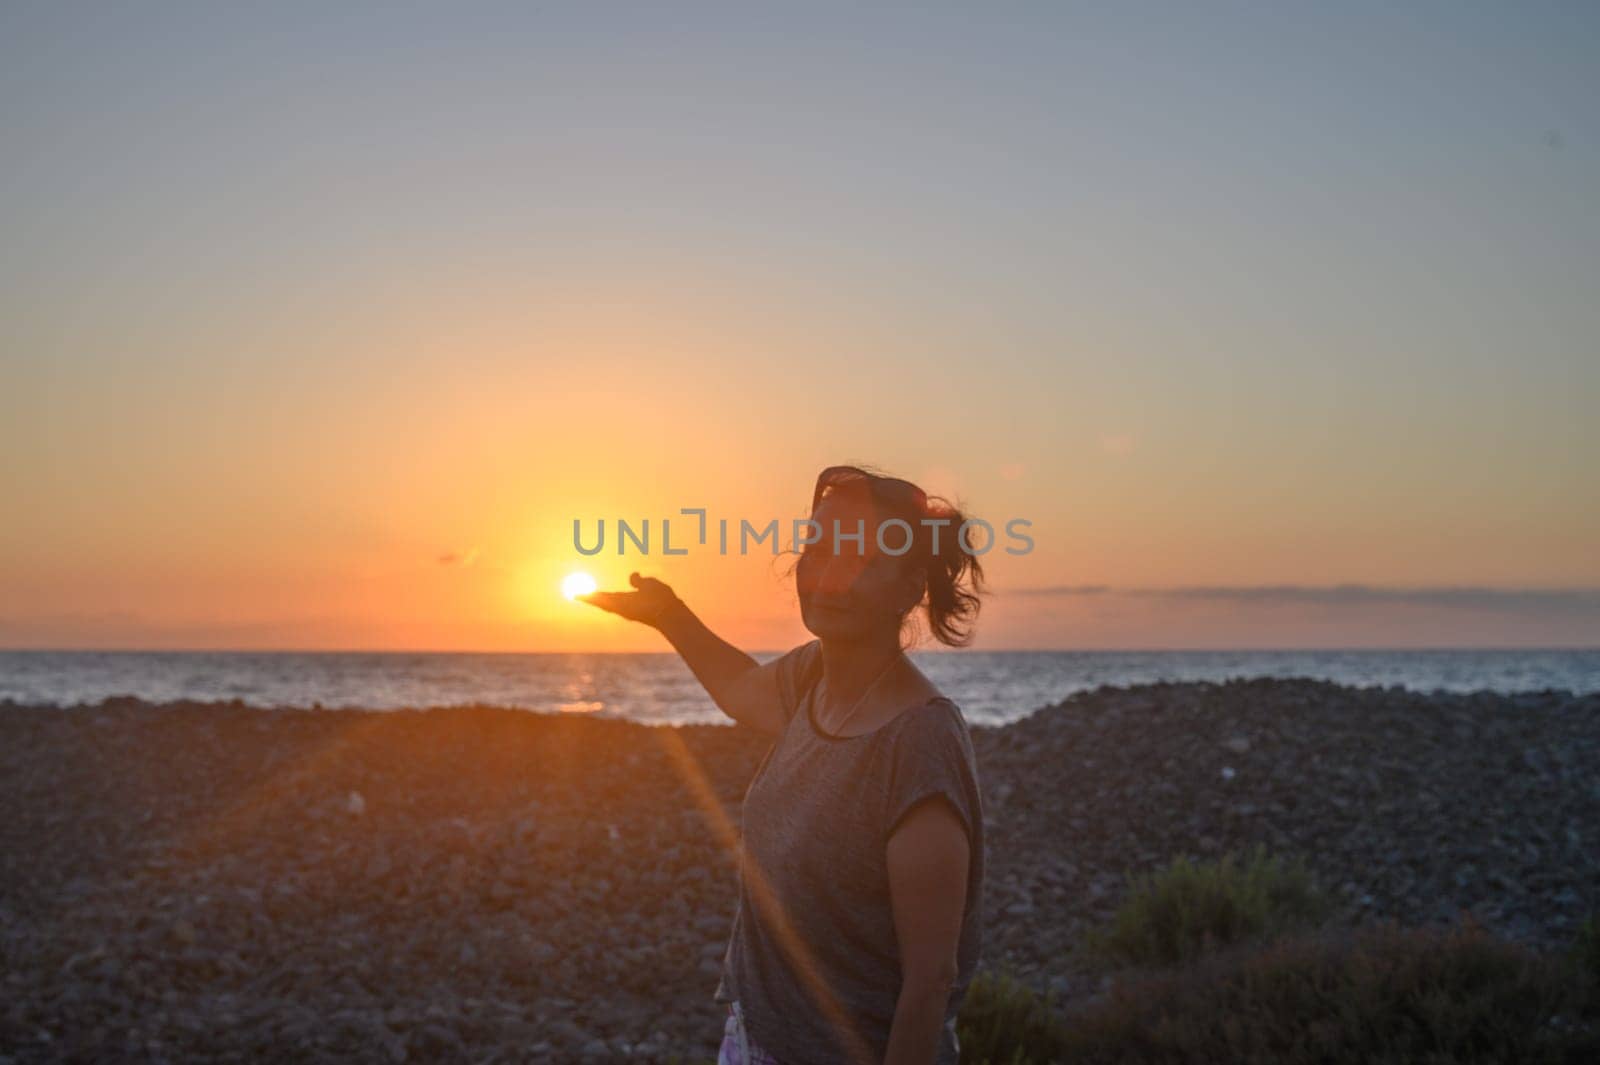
992	687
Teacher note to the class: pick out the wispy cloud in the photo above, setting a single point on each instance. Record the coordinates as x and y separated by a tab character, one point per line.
1545	601
459	558
1058	589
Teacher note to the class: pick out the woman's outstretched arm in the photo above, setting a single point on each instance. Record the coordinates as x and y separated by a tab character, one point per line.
742	688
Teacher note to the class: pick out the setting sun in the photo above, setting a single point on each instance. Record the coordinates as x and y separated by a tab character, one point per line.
576	584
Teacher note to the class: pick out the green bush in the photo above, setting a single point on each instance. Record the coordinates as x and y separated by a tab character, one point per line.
1189	908
1381	996
1005	1022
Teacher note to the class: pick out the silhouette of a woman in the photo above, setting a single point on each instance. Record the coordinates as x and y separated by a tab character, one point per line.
861	868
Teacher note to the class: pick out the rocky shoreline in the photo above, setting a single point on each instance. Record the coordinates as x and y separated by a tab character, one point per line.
194	881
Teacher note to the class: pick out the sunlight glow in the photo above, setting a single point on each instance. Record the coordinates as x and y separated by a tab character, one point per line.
576	584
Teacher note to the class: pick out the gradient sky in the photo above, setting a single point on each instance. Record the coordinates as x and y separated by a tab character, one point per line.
319	328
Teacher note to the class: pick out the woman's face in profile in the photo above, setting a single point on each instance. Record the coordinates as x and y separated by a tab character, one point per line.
846	594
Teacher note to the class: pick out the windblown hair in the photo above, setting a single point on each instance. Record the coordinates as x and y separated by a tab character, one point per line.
955	575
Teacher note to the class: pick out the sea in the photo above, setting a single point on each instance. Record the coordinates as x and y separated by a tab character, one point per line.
991	687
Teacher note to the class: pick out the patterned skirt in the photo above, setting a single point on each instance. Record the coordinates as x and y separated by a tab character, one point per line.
737	1046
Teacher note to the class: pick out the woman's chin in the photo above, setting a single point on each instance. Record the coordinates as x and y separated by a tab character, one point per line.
832	624
827	623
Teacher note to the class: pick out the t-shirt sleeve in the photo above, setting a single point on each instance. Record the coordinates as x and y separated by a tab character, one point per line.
932	758
798	671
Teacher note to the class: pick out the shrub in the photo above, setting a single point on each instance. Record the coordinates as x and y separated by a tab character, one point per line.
1005	1022
1189	908
1379	995
1382	995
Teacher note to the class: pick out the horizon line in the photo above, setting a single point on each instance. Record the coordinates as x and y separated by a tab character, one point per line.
1396	648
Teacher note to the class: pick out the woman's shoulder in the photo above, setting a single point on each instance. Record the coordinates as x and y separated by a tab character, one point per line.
936	713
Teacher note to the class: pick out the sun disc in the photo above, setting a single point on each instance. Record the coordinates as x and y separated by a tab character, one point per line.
576	584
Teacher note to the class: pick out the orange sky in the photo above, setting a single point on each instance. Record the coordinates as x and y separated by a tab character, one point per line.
326	353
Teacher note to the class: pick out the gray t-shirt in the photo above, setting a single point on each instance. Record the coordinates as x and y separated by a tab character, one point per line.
813	878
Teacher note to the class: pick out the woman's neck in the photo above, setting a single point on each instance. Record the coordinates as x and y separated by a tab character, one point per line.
850	669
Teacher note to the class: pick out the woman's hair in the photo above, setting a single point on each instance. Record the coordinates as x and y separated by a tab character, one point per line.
955	574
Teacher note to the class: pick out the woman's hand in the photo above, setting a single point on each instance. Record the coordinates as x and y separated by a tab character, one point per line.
645	605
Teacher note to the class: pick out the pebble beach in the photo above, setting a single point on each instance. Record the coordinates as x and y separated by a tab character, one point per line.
211	881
